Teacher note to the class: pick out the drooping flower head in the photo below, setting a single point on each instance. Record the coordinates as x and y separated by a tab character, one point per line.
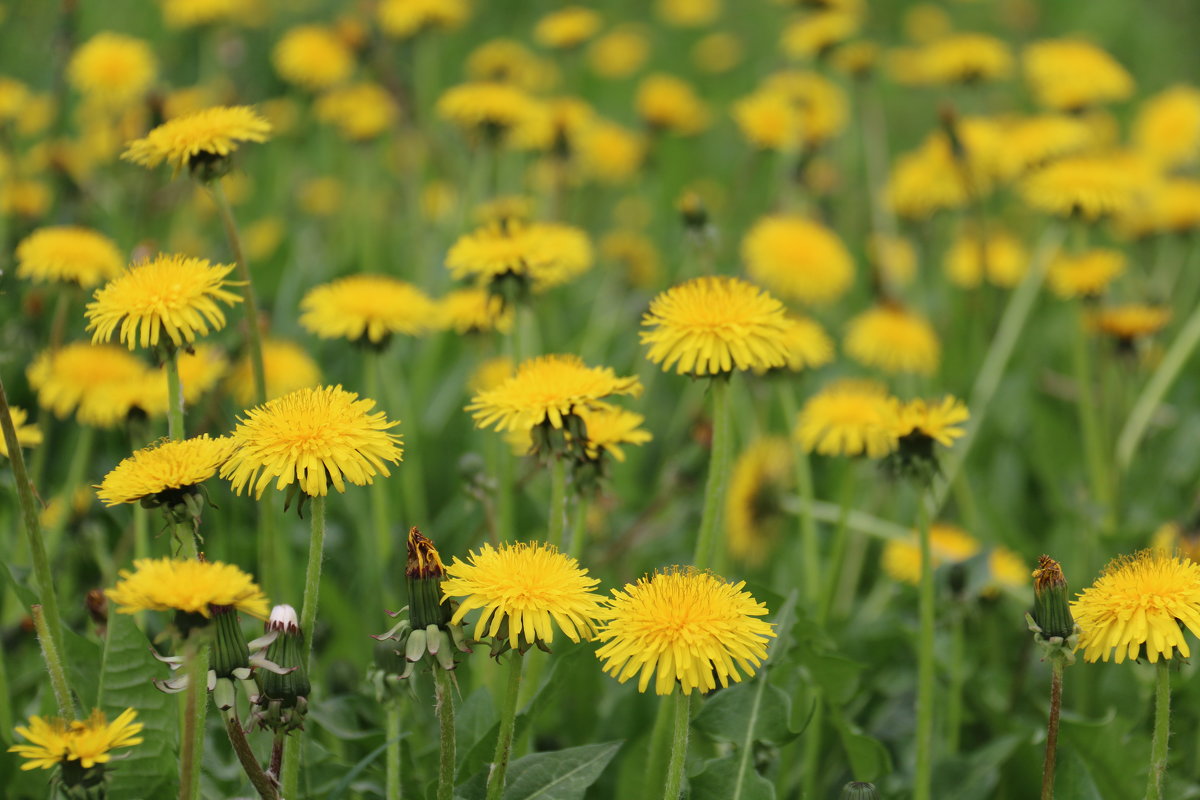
1139	607
682	627
27	435
52	742
201	141
798	259
893	339
66	253
524	591
311	438
713	325
173	294
166	473
188	586
848	418
367	309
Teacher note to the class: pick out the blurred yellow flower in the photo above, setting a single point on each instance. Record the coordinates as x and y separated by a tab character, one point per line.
195	13
1000	258
1089	186
67	253
261	238
29	198
1031	142
668	103
490	374
474	310
288	367
544	253
768	120
931	178
312	57
487	108
808	346
567	27
366	308
28	435
688	13
1085	274
1071	74
509	61
799	259
891	338
620	52
636	253
821	104
761	473
963	58
848	418
91	379
894	257
113	69
608	428
935	421
609	153
1167	127
813	35
1127	323
321	196
359	112
402	19
200	138
717	52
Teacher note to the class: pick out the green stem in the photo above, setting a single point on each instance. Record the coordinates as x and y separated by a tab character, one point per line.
1012	323
954	703
837	556
174	397
660	738
508	718
1056	676
812	748
1162	730
415	511
679	744
1089	422
378	553
809	543
1156	388
195	709
308	620
445	712
558	502
579	528
26	495
54	664
392	756
262	784
707	546
253	331
922	781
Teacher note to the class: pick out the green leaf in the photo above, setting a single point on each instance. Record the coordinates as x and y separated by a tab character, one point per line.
835	674
723	779
757	711
149	770
1073	778
558	775
869	759
82	659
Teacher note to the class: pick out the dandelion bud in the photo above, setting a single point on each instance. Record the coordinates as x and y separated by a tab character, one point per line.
283	694
693	212
1051	606
424	573
860	790
230	653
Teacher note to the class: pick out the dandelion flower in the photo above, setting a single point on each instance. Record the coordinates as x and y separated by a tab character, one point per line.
608	428
768	120
509	61
1139	607
671	104
567	27
1167	127
310	438
360	112
713	325
112	68
619	53
1004	259
762	472
487	107
822	108
635	252
172	294
197	140
964	58
366	308
1031	142
194	13
165	471
893	339
894	257
490	374
473	311
402	19
798	259
688	13
814	35
27	435
545	390
921	420
948	544
1070	75
683	627
848	418
1085	274
88	378
524	590
54	741
608	152
717	52
66	253
545	254
808	345
187	585
312	57
1089	186
1128	323
288	367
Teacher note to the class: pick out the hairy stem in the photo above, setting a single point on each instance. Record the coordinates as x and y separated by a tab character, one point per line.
445	714
508	718
707	546
174	397
1162	730
262	783
558	502
54	664
679	744
1056	676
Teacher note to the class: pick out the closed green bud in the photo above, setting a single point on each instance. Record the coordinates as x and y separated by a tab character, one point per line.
424	573
282	700
859	790
230	653
1051	605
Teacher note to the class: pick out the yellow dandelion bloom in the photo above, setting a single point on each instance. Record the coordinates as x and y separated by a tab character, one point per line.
473	311
713	325
366	308
83	376
893	339
752	516
798	259
964	58
938	421
28	435
856	59
1031	142
1085	274
931	178
112	68
194	13
668	103
567	27
164	468
287	365
25	197
1001	256
486	106
1069	75
310	438
608	428
1090	186
1139	607
1176	205
688	13
546	389
848	418
814	35
187	585
894	257
547	254
821	104
1167	127
312	57
681	627
524	590
808	346
608	152
402	19
198	138
490	374
768	120
948	544
54	741
172	294
1132	321
554	125
620	52
67	253
509	61
48	743
360	112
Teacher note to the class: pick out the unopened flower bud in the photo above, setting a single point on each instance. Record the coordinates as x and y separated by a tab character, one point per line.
283	695
860	790
1051	606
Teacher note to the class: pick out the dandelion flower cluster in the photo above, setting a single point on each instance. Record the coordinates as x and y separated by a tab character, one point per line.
682	627
187	585
164	468
523	591
366	308
310	438
54	741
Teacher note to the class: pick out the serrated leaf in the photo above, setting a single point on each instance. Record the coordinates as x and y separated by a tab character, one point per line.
756	711
558	775
149	770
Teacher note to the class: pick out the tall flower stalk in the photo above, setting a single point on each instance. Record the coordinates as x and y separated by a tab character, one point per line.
253	328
